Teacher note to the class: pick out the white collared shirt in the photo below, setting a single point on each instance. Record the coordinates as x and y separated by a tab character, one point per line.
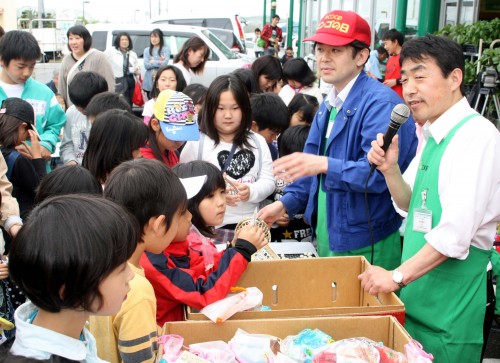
469	182
36	342
337	99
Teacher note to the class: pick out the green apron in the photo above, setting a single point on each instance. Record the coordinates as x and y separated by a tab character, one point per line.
445	308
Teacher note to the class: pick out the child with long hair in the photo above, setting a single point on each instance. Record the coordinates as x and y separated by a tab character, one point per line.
70	259
173	123
155	56
192	57
268	72
168	77
116	136
227	142
300	79
302	109
24	170
191	271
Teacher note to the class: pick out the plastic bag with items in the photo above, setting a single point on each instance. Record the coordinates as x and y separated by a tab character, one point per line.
222	310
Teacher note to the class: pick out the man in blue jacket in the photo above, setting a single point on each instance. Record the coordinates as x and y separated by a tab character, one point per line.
329	177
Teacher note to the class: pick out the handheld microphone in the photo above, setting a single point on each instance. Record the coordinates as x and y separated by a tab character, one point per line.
399	115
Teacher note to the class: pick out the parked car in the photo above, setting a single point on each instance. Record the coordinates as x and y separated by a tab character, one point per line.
229	39
232	23
221	60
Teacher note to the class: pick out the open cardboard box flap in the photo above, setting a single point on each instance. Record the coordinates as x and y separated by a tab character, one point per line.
312	287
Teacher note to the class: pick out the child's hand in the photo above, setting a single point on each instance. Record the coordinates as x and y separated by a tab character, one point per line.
35	148
231	198
255	235
243	191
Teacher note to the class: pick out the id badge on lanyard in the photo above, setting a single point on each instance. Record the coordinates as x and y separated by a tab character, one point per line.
422	217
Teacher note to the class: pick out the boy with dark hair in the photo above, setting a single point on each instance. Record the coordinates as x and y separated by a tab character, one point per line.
84	86
19	51
157	198
291	228
393	41
270	118
106	101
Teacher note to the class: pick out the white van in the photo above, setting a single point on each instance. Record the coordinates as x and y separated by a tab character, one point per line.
221	60
229	23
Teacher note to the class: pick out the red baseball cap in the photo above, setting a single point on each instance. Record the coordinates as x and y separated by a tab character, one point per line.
340	27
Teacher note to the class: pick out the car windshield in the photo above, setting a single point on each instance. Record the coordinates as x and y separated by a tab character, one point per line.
219	44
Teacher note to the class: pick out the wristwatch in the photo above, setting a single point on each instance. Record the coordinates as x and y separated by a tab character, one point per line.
397	277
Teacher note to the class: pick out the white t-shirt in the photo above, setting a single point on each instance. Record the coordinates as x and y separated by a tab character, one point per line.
247	166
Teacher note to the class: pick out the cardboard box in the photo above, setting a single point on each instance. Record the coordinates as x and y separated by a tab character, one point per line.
385	329
312	287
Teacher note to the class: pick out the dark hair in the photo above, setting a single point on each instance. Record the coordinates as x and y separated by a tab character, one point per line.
268	66
18	44
394	34
381	50
296	69
9	130
269	111
71	243
234	85
306	104
214	181
84	86
147	188
106	101
159	33
181	81
248	78
116	41
194	43
83	32
2	32
293	139
115	134
196	92
256	30
67	179
446	53
276	16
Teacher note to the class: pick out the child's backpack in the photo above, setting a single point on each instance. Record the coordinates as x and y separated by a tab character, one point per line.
261	43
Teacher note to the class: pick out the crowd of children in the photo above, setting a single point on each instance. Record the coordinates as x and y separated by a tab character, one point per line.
124	233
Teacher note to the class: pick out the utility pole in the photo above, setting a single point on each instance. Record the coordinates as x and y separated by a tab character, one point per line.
41	13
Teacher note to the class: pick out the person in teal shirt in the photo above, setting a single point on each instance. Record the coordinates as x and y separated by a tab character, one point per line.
19	52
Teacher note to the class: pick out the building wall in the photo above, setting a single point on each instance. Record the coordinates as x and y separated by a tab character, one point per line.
8	18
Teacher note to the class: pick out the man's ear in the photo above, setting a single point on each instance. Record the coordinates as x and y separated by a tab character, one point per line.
255	127
155	124
456	78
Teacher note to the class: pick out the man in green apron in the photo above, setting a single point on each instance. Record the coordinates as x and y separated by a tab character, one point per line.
452	194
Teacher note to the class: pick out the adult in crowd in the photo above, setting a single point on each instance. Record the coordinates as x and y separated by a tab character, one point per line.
393	41
125	65
268	72
330	176
451	191
376	63
54	82
82	58
156	56
192	57
273	36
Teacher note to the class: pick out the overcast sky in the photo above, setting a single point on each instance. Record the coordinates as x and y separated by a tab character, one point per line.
130	10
